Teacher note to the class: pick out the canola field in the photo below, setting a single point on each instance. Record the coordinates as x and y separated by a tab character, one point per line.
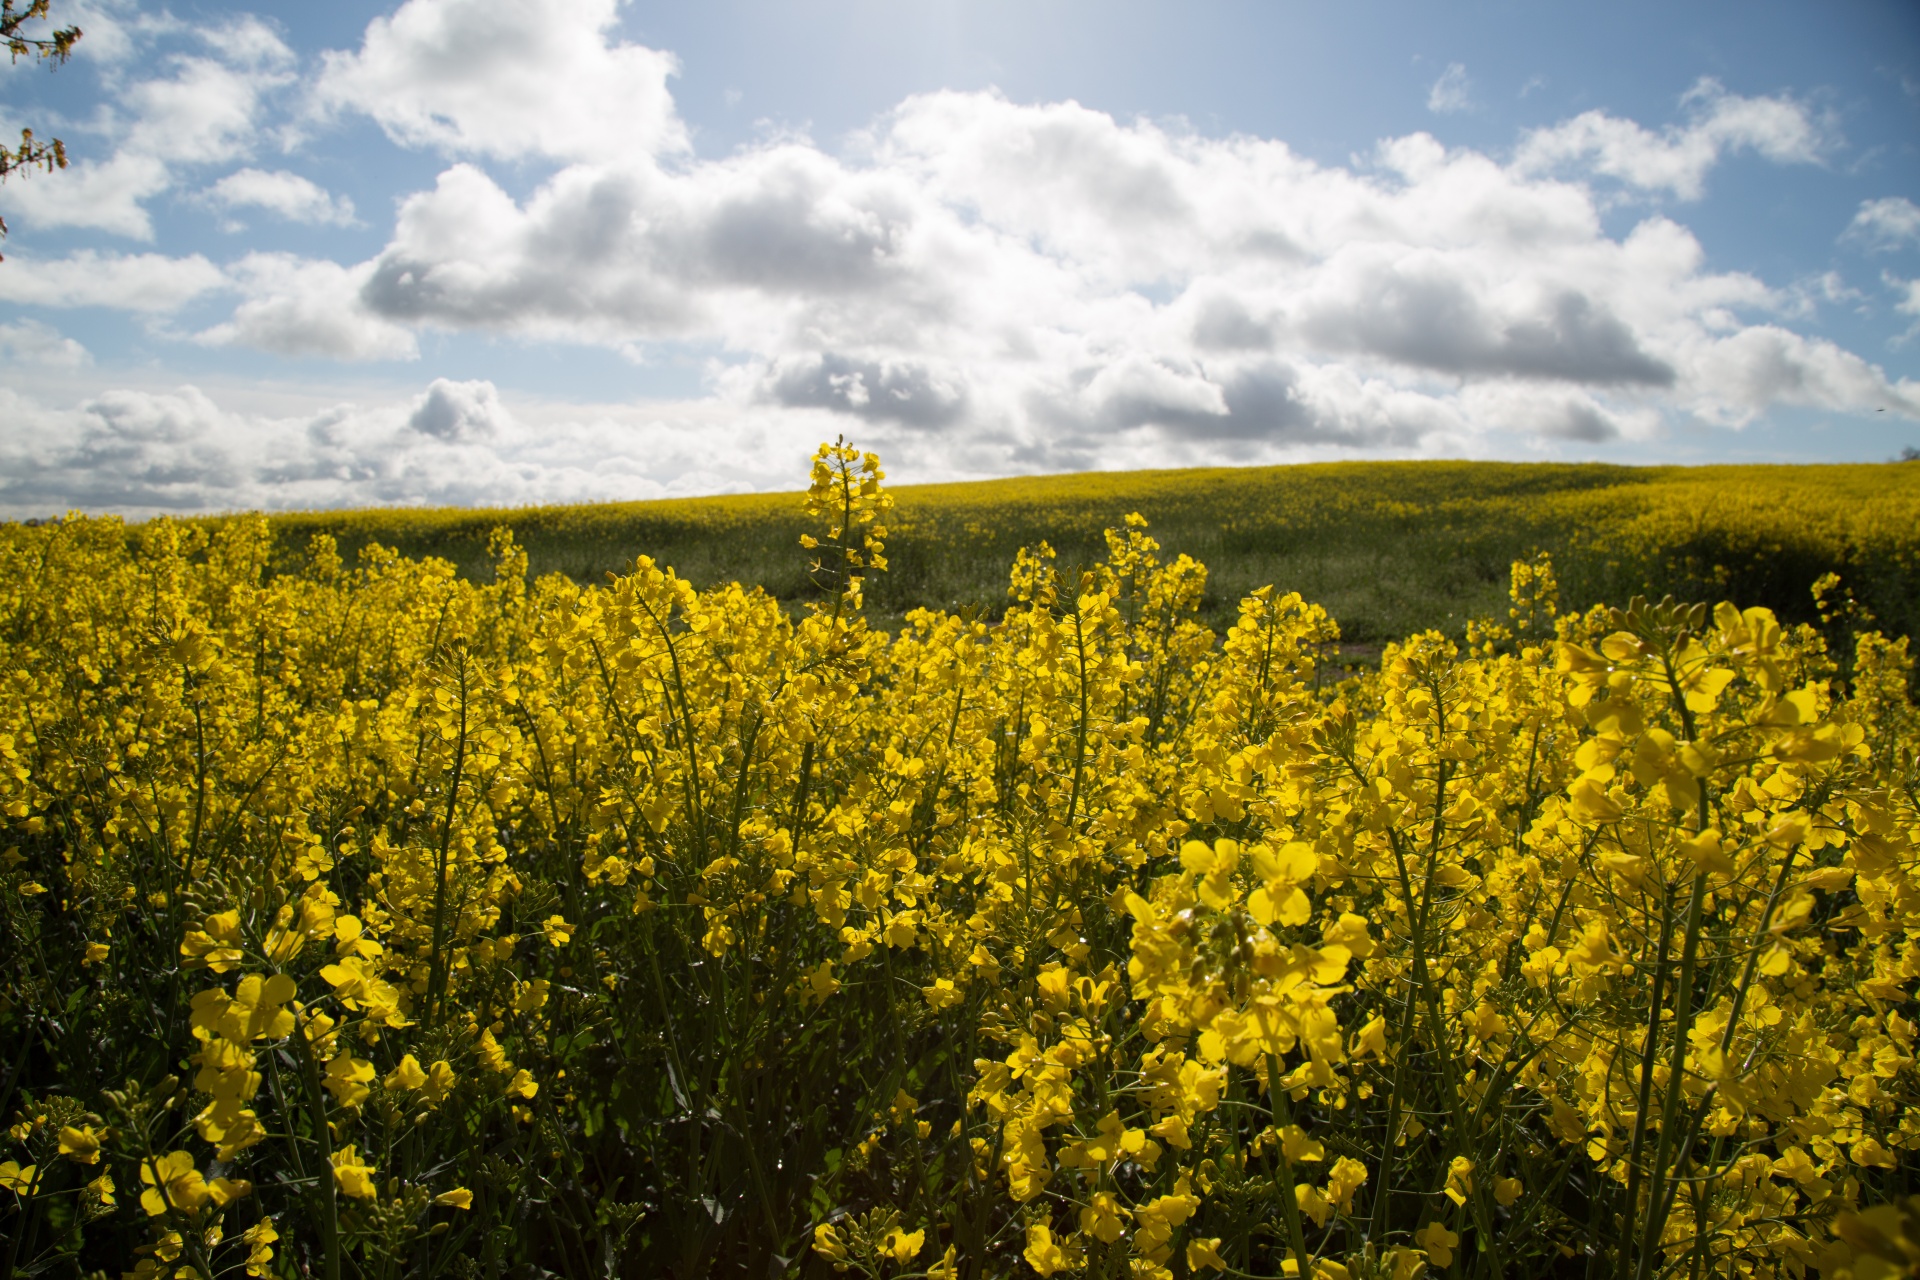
364	919
1389	548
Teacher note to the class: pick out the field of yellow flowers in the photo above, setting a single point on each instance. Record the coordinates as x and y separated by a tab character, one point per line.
1388	548
362	920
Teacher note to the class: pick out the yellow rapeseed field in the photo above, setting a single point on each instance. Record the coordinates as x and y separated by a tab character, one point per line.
1388	548
366	920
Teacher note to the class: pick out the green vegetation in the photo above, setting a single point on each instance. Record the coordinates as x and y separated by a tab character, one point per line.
1389	548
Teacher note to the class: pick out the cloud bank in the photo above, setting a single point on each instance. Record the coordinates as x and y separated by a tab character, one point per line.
979	286
144	452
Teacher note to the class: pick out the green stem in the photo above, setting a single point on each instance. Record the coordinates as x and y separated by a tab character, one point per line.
1289	1202
437	968
1676	1079
323	1136
1645	1100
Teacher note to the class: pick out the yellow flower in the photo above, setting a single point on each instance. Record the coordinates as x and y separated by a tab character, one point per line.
1439	1244
1459	1180
1346	1177
350	939
1205	1253
347	1078
216	944
81	1145
492	1056
902	1246
1041	1253
828	1244
1298	1147
353	1178
357	984
259	1239
942	994
224	1191
458	1198
439	1082
1104	1218
1592	804
406	1076
172	1182
1707	853
17	1178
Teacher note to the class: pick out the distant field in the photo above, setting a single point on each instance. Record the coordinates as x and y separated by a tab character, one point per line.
1388	547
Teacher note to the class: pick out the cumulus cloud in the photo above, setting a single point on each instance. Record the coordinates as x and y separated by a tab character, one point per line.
876	390
1885	225
202	109
1453	91
306	307
41	346
1765	365
1428	309
1559	414
143	452
149	282
1677	159
106	195
531	78
460	411
206	111
975	285
1061	286
287	195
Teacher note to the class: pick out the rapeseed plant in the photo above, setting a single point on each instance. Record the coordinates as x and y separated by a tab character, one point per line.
371	921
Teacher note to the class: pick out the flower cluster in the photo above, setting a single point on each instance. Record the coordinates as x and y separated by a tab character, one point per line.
370	919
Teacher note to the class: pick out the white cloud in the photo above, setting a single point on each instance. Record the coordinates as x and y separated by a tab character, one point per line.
41	346
105	23
460	411
244	40
119	450
532	77
1910	304
1887	224
1453	91
1676	159
303	307
145	451
288	195
1046	286
206	112
1759	367
104	195
976	286
200	111
1560	414
149	282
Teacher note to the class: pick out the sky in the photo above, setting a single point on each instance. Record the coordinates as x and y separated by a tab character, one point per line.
497	252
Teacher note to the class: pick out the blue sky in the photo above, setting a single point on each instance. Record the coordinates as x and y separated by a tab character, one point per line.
472	251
